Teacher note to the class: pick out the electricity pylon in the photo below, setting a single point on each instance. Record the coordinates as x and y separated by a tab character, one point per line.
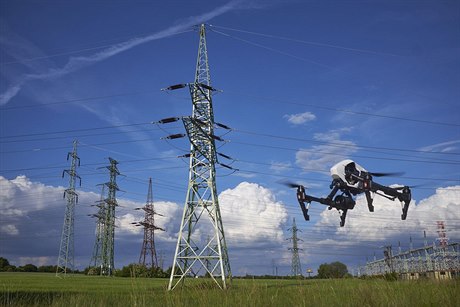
148	255
201	207
96	259
296	269
103	254
66	249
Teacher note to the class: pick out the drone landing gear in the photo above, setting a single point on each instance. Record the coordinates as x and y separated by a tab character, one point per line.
341	202
403	194
343	215
342	218
406	198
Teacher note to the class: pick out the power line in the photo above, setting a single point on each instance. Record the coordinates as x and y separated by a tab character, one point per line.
447	162
339	144
273	49
276	100
306	42
73	100
76	130
79	136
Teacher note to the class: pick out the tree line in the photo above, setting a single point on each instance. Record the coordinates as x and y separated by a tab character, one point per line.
131	270
325	271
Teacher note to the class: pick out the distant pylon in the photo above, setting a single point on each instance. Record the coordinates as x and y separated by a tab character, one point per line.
442	237
148	255
66	249
103	254
296	269
96	259
201	205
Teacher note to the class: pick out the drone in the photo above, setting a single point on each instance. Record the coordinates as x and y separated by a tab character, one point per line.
352	179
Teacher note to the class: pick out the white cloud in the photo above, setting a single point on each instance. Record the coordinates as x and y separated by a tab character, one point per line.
320	158
37	261
124	224
449	146
245	175
280	166
169	219
251	213
9	229
20	196
385	222
300	118
31	216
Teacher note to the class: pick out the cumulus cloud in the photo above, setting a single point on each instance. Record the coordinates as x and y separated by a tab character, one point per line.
254	222
125	224
300	118
31	216
38	261
169	219
251	213
20	196
385	224
9	229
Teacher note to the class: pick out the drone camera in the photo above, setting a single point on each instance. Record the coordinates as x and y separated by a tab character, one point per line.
343	202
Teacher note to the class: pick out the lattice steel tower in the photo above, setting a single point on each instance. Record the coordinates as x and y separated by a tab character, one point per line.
96	258
103	254
201	205
66	249
296	269
148	255
443	239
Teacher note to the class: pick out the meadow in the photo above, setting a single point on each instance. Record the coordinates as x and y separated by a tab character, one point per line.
45	289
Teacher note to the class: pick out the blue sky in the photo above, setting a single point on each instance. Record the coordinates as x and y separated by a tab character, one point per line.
305	84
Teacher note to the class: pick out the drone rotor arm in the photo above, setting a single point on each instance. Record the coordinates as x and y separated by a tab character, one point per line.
304	198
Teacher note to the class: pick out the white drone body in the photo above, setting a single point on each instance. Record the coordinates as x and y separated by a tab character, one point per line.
338	172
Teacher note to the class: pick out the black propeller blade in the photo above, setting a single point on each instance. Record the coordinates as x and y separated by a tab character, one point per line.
394	174
408	186
289	183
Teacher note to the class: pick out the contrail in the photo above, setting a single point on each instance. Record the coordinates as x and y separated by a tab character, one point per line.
77	63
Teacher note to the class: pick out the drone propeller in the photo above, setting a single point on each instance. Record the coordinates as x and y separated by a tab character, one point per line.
407	186
289	183
394	174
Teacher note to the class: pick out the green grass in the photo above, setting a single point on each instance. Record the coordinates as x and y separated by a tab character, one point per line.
41	289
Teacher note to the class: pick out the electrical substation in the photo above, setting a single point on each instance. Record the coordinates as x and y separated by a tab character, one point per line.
434	261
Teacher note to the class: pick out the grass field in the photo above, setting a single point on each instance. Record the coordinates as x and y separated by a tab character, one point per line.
42	289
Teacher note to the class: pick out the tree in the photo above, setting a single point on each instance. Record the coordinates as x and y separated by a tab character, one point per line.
4	263
28	268
332	270
47	268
